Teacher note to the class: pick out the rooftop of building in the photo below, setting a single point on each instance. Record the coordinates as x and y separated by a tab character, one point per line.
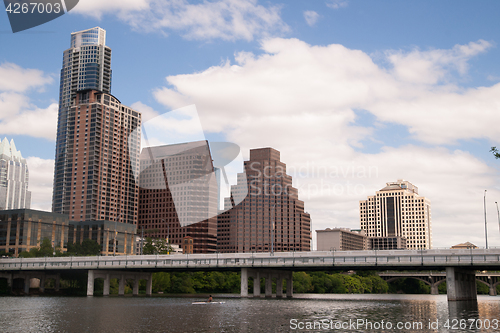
9	149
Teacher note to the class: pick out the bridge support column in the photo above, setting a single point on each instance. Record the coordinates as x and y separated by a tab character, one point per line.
256	284
42	283
105	289
461	284
434	286
149	284
90	283
135	292
289	285
26	284
492	280
279	286
121	285
269	285
244	283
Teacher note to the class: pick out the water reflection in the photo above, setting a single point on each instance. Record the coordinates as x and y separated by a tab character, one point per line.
163	314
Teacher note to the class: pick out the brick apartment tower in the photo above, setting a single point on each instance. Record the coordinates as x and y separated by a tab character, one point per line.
95	157
103	149
271	200
178	195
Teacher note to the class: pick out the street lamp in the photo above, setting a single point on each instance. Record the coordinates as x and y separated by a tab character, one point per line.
485	224
272	230
498	213
168	237
114	245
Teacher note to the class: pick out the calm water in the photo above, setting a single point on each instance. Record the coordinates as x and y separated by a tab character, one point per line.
164	314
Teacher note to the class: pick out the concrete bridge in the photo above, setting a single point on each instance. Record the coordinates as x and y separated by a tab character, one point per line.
460	266
434	279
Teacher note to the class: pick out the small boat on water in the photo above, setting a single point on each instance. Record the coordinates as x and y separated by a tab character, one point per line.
208	302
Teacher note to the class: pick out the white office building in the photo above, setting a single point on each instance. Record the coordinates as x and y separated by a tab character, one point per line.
398	211
14	178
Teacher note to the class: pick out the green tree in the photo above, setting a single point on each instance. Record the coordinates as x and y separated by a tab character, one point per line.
302	282
88	247
495	152
156	246
45	249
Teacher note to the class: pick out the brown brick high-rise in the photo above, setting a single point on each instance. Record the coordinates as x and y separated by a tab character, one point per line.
102	151
178	194
271	199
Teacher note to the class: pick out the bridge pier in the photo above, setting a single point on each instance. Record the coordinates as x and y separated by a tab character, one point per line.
461	284
268	275
244	282
122	276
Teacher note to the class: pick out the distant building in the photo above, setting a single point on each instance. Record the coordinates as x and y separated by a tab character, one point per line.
387	243
178	194
341	239
187	245
271	217
398	211
24	229
106	234
14	177
466	245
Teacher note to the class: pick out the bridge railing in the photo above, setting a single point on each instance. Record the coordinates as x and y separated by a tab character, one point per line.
348	259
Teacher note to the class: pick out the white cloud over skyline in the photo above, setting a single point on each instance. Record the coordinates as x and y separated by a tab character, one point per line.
304	100
224	19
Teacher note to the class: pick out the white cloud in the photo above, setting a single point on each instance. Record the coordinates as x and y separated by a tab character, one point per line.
18	115
40	182
311	17
337	4
207	20
16	79
432	66
301	100
35	122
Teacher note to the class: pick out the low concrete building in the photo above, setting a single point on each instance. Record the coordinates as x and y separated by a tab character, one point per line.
24	229
466	245
105	233
341	239
387	243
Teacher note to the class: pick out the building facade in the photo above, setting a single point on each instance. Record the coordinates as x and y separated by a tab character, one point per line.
115	238
271	217
387	243
341	239
24	229
102	153
398	211
14	177
178	194
98	138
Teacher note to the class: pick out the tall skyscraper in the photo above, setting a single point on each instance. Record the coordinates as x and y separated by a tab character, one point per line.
178	194
98	138
398	211
14	177
86	65
271	217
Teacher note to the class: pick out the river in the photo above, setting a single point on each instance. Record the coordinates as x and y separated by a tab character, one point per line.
338	313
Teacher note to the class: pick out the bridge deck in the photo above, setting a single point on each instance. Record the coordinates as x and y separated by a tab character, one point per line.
478	259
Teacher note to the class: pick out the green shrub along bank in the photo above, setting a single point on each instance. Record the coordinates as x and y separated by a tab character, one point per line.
75	283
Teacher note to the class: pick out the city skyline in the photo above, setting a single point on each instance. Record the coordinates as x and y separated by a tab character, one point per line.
405	95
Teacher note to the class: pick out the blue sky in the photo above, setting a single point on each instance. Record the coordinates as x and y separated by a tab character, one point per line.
410	89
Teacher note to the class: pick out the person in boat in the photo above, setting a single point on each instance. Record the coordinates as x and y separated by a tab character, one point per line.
209	299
